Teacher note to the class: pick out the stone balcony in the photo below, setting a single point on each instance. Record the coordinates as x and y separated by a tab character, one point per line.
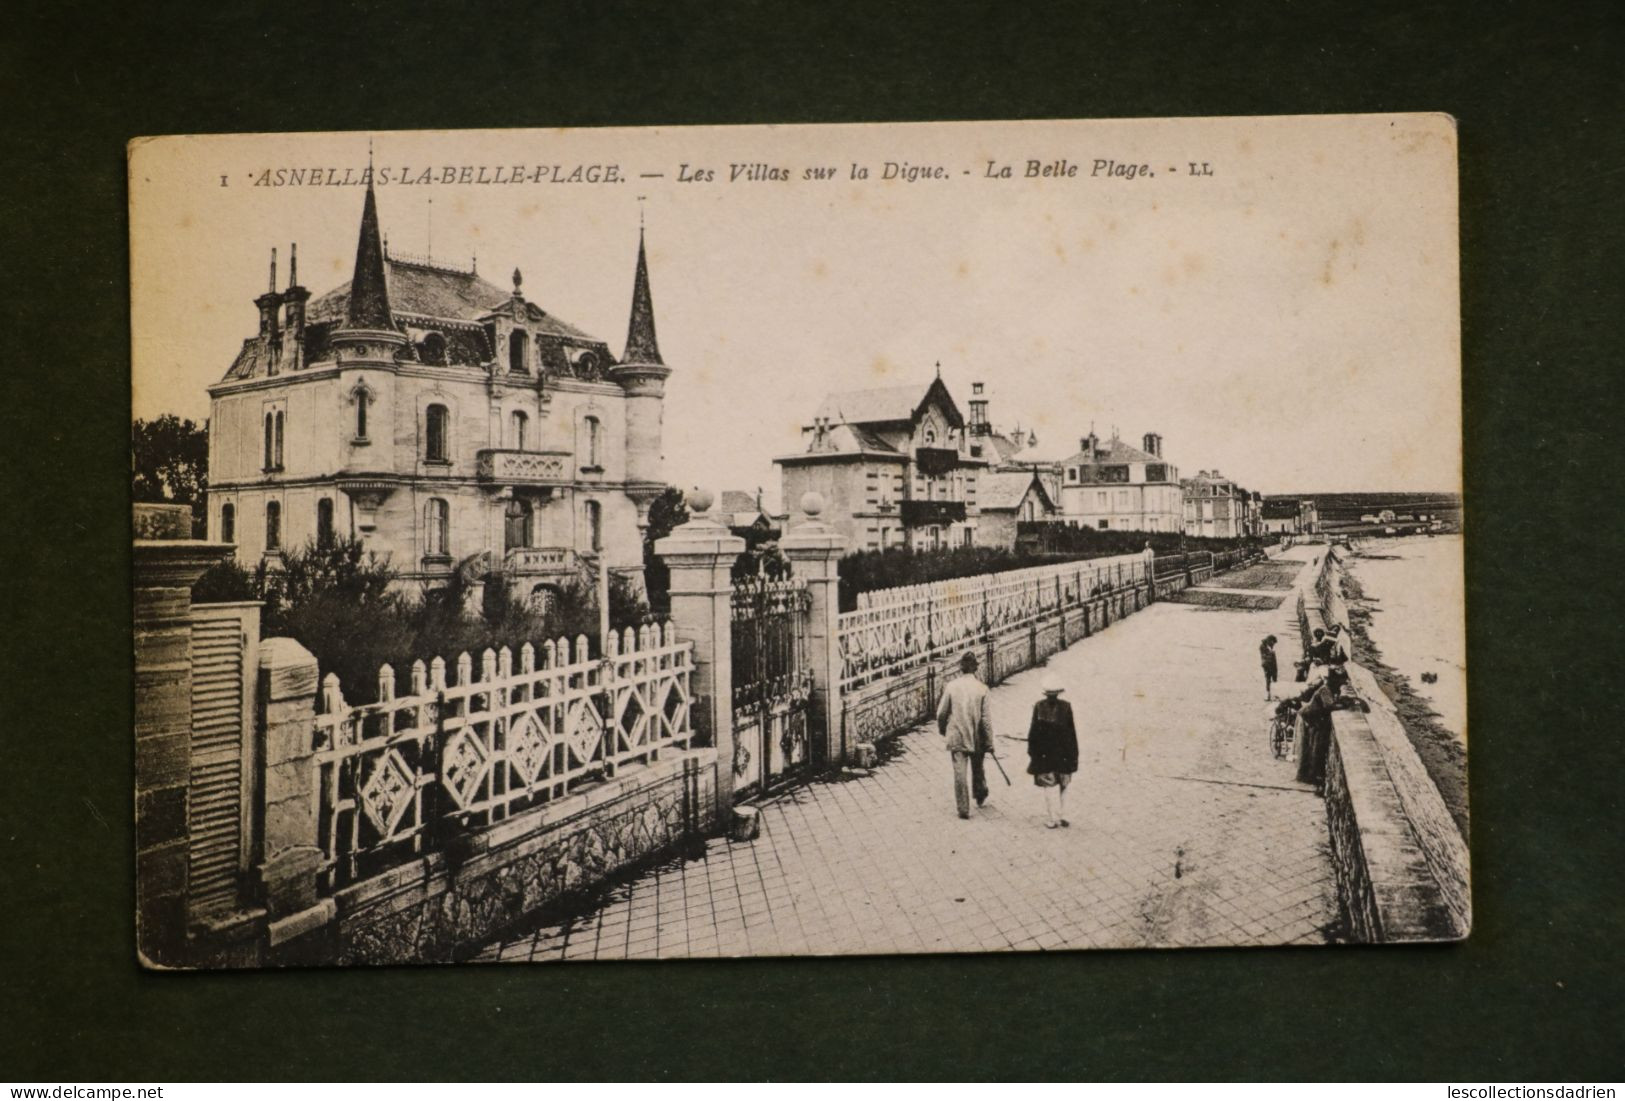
505	466
540	560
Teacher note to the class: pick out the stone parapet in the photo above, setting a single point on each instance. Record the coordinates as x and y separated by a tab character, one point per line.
448	902
1389	893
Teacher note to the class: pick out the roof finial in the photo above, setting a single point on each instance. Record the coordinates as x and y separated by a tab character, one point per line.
518	278
939	368
272	287
430	244
293	264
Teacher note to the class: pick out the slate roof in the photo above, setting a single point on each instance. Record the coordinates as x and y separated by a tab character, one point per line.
1115	451
1005	490
445	294
887	403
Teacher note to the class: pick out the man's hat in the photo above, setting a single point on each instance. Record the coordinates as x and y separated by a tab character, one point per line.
1052	685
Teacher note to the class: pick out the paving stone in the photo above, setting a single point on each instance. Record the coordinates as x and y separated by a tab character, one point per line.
1175	774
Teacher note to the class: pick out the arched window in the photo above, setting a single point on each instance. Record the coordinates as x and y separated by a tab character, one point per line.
270	441
518	345
594	432
278	464
517	423
517	525
433	349
362	400
437	528
273	525
595	525
434	437
544	598
324	522
228	523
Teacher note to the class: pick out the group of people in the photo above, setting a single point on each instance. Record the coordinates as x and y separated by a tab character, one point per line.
1323	675
1052	736
1052	742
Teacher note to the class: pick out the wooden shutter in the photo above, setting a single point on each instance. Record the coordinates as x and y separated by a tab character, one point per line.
225	645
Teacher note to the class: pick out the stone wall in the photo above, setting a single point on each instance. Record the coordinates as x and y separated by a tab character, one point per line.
1403	867
895	704
450	901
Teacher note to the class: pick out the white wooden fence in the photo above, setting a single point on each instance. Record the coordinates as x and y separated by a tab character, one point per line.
471	748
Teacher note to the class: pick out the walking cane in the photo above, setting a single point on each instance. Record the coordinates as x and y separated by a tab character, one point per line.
1003	773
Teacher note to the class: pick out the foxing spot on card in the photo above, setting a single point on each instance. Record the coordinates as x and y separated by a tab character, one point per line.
797	540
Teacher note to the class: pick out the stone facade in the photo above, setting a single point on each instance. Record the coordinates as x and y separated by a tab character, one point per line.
441	421
1111	486
895	468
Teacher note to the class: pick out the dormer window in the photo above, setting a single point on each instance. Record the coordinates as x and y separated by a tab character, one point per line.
518	352
433	350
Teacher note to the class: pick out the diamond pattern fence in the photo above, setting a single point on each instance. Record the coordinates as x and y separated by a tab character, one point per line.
466	748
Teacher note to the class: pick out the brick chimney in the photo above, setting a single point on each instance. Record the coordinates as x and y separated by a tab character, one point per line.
270	336
294	298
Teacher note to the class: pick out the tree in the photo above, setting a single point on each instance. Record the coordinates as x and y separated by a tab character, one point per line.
667	512
169	462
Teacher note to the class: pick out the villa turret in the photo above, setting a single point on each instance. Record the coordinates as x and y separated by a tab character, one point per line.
443	421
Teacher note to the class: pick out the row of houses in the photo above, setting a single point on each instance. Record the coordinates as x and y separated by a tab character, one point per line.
451	424
904	467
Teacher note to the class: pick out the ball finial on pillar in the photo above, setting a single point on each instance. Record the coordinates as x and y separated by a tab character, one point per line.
700	500
812	502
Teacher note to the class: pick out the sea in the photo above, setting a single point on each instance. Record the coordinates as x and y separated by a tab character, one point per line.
1417	619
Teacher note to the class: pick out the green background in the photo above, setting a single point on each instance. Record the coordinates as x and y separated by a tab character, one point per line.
1535	992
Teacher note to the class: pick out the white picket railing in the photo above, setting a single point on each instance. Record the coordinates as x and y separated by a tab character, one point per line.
463	751
896	629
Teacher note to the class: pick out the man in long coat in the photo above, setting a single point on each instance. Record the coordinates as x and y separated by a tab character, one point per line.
1052	750
962	719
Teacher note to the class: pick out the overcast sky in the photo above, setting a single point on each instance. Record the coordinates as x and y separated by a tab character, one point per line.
1290	320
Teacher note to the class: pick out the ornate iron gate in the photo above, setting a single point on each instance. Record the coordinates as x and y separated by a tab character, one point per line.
771	683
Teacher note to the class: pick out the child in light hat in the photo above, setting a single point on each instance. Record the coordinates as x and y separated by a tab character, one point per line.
1052	750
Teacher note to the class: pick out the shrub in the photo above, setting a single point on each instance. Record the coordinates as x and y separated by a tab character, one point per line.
344	605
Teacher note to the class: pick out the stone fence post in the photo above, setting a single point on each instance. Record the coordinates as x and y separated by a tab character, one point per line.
167	562
290	854
700	555
814	550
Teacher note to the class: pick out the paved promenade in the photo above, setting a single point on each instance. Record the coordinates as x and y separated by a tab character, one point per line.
1184	830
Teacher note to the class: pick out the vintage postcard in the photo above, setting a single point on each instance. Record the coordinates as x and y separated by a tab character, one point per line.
797	540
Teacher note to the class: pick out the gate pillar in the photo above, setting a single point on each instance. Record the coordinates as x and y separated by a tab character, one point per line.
700	555
167	562
814	550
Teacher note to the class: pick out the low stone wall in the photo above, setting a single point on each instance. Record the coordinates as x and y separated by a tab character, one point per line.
452	900
1403	867
899	703
1388	890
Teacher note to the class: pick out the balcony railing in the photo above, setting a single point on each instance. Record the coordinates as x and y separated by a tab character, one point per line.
496	464
539	559
917	514
936	461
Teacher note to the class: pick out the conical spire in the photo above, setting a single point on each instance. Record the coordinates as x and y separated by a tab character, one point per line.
369	293
641	346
